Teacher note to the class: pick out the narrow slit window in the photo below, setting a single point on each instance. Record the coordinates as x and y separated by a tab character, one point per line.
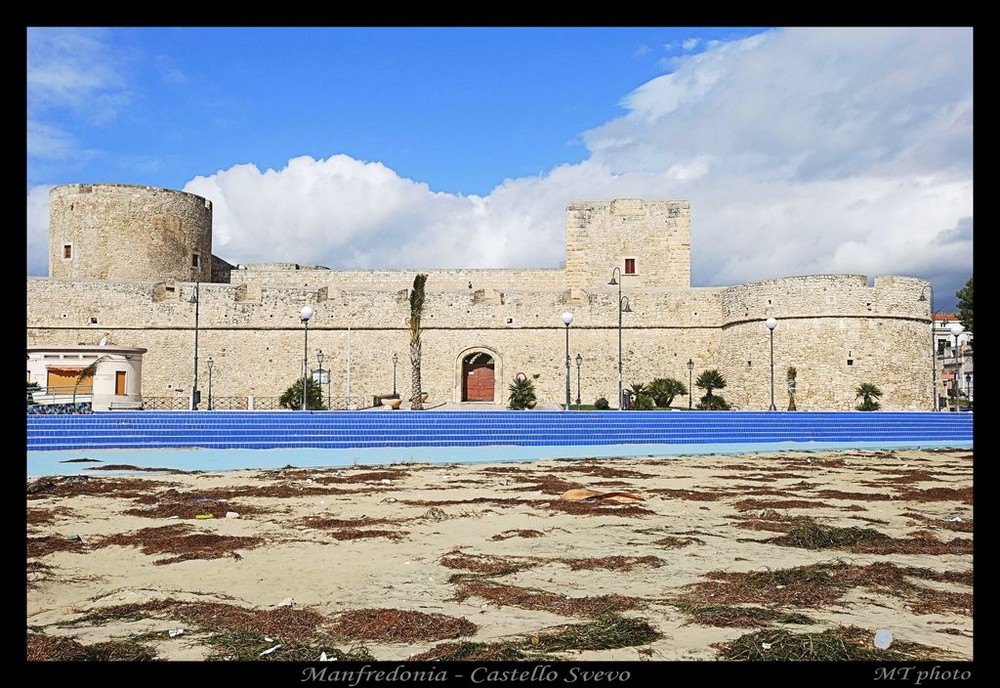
195	260
67	251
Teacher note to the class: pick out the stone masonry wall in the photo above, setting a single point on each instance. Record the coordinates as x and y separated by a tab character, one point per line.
124	232
257	344
600	235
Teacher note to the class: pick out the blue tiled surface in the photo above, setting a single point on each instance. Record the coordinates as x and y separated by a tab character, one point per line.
357	430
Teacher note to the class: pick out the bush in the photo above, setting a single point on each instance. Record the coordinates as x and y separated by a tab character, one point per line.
292	398
522	394
602	404
664	389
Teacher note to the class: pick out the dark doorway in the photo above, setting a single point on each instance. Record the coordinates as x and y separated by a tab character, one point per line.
477	377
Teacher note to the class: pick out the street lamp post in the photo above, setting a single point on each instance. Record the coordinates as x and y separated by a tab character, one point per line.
771	324
304	315
622	308
956	330
319	357
567	318
395	360
579	362
930	300
211	363
690	385
968	388
195	394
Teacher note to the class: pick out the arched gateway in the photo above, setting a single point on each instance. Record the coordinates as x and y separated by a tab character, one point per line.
478	376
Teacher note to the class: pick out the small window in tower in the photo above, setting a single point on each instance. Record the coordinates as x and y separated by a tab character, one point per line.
67	251
195	260
630	266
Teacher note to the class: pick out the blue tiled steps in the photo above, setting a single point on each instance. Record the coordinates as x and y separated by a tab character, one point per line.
347	430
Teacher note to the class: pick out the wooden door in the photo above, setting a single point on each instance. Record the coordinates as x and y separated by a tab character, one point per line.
479	381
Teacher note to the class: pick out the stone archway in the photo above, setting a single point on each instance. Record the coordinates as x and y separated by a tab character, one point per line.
478	377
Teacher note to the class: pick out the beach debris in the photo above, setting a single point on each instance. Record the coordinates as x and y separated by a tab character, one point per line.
40	485
74	537
766	646
287	602
883	639
174	632
204	516
324	658
270	650
232	514
586	495
957	519
385	481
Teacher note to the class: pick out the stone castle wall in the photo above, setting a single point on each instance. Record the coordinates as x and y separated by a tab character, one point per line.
250	325
124	232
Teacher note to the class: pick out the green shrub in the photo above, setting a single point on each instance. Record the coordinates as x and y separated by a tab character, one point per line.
292	398
602	404
522	394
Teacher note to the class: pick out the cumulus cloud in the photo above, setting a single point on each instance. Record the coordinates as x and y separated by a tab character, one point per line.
801	150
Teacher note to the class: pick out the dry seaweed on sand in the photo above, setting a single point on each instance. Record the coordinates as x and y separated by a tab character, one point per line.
181	540
472	652
867	540
521	532
245	646
485	564
938	494
526	598
836	645
45	545
614	563
187	505
672	541
604	633
824	584
752	504
284	623
76	486
692	495
399	626
46	648
726	616
600	508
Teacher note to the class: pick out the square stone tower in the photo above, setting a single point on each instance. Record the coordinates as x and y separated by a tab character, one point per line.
650	241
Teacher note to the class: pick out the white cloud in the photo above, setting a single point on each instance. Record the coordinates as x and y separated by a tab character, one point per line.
73	69
802	151
38	230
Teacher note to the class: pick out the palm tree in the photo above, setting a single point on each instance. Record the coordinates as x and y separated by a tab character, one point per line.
87	373
522	393
416	311
292	398
790	376
664	389
869	395
709	381
642	400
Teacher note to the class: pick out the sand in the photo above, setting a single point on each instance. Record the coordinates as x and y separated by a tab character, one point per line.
420	561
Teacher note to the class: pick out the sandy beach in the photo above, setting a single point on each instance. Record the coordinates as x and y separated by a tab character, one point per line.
685	558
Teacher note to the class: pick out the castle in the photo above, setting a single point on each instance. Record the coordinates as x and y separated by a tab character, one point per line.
133	266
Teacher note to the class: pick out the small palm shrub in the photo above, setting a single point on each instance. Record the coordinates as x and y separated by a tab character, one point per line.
522	394
664	389
292	398
869	395
602	404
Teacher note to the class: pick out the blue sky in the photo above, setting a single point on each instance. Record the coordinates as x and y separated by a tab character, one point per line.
802	151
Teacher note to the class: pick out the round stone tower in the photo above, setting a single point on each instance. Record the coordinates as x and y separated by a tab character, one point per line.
129	233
